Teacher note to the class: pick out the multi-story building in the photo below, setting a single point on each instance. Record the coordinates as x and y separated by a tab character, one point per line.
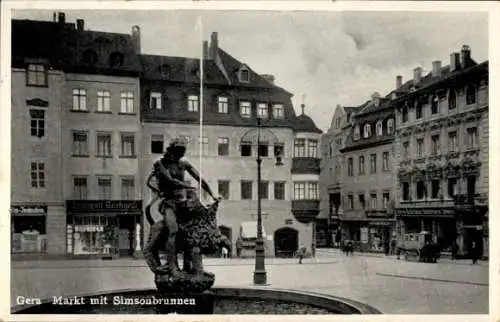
234	98
94	113
331	175
75	166
367	184
441	152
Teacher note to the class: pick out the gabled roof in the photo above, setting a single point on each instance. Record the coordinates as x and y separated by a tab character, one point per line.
180	69
232	66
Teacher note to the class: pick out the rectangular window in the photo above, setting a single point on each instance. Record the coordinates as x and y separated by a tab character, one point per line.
79	99
103	101
350	202
155	101
279	149
264	190
193	103
128	145
435	144
104	145
246	149
157	144
406	150
263	149
420	148
300	148
373	201
421	190
37	125
80	144
385	199
452	141
312	148
223	105
471	137
361	199
223	146
246	190
128	188
361	165
262	110
418	111
223	188
452	184
349	167
37	175
406	190
204	145
80	191
299	190
385	161
127	102
435	189
405	114
245	109
104	188
278	111
312	191
279	190
37	75
373	163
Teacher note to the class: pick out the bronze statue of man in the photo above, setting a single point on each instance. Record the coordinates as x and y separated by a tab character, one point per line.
169	173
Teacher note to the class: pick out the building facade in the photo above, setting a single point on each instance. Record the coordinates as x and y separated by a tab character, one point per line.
367	184
235	98
442	153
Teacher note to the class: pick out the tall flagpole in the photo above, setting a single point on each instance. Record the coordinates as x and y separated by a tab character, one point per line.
201	105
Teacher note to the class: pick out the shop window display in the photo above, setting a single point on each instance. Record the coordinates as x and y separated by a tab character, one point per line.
93	235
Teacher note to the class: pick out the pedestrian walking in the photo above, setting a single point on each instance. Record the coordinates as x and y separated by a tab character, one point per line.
393	246
474	253
224	252
301	254
238	247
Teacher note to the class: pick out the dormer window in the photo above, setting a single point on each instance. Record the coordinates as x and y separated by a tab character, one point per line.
193	103
36	75
390	126
89	56
379	128
116	59
470	95
244	75
278	111
435	104
367	131
356	133
155	101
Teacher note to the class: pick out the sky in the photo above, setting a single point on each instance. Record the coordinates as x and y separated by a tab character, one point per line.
330	57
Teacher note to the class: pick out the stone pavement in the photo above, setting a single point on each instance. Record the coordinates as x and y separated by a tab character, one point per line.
392	286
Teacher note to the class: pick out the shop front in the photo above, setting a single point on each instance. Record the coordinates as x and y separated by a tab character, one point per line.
103	227
28	229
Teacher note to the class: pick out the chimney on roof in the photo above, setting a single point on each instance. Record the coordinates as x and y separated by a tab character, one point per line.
399	81
80	24
376	99
303	105
214	45
205	50
465	56
136	39
417	75
269	78
436	68
454	62
62	18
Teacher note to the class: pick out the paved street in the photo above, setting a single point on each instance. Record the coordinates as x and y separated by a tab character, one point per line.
392	286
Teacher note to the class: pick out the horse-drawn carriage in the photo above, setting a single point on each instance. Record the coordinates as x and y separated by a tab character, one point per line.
419	246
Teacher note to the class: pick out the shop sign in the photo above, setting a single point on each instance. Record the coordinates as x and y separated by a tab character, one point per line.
109	206
29	210
423	212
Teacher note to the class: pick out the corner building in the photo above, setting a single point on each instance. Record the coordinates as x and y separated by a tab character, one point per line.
234	97
442	153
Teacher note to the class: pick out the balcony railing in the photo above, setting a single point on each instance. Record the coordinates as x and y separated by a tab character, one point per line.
305	210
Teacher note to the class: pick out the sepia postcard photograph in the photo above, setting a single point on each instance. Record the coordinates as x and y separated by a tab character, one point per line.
252	160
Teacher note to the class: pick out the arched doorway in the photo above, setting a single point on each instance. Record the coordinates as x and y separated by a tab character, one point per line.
286	242
227	231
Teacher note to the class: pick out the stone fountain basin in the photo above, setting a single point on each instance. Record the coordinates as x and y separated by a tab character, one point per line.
227	300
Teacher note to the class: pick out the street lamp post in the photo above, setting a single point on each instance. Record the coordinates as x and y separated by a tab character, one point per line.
259	275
